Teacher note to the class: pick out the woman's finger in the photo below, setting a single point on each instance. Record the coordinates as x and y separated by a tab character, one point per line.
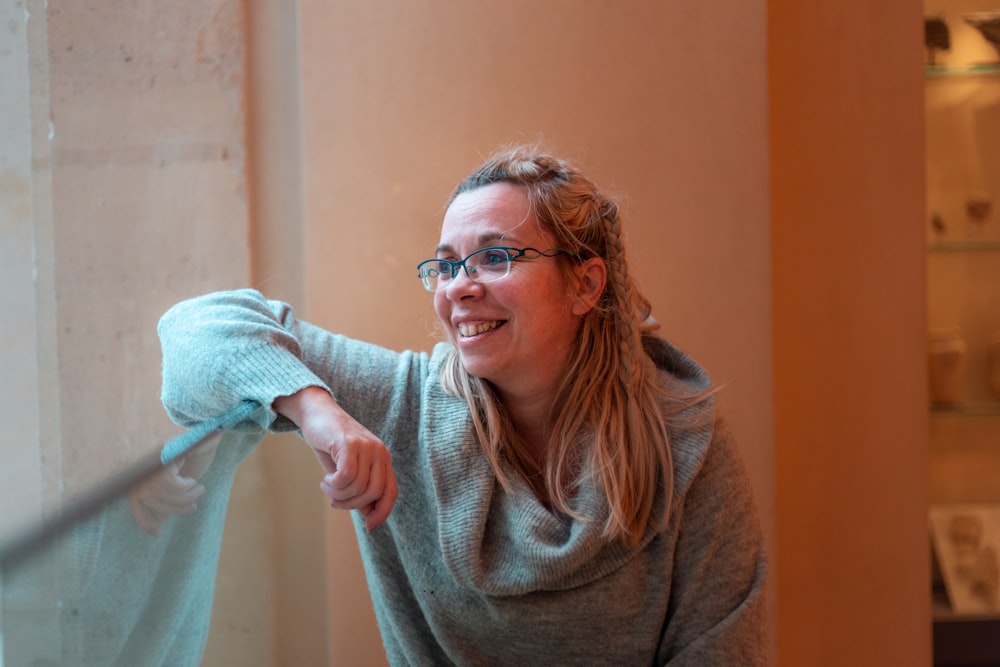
144	517
174	503
381	508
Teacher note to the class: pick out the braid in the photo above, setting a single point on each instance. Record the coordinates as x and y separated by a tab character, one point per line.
624	309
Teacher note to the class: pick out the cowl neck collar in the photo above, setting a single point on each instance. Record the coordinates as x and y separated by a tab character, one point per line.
504	543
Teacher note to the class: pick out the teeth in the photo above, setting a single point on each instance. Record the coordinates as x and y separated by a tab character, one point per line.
475	329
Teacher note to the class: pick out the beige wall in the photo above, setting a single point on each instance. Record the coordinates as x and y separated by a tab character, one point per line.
25	265
99	139
123	188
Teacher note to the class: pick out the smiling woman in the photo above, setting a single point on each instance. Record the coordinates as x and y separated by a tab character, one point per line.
551	483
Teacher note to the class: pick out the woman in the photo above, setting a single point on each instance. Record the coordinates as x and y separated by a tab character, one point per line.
551	485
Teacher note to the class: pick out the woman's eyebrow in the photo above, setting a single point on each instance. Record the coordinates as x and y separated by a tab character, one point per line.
483	241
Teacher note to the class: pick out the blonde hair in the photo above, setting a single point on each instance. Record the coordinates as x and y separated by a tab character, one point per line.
617	430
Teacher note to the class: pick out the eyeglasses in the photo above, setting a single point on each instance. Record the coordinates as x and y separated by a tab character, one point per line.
486	265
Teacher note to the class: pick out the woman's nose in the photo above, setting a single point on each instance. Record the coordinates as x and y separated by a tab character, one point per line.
462	284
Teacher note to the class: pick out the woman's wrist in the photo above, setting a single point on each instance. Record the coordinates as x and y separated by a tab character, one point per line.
297	405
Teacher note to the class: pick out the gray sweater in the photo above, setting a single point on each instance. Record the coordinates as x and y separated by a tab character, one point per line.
464	572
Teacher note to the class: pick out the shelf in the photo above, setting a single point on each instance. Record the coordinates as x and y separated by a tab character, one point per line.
982	409
942	612
963	246
946	71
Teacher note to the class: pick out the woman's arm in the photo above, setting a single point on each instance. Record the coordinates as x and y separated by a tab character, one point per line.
358	465
226	347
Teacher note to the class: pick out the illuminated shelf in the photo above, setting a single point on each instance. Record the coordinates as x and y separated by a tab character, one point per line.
945	71
984	409
963	246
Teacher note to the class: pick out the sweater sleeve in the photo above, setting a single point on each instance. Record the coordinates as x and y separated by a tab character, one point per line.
717	612
223	348
227	347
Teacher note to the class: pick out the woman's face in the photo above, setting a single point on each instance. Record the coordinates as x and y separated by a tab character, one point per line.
516	332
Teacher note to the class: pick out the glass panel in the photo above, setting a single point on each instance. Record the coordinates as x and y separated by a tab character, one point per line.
963	292
89	586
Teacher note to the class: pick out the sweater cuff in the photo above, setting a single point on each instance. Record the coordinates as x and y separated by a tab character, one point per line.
263	373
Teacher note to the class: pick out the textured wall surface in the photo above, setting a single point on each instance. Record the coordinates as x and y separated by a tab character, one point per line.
123	188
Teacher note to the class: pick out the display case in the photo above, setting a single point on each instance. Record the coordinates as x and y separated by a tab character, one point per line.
962	97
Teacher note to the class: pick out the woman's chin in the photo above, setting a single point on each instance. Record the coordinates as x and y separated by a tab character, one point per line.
475	367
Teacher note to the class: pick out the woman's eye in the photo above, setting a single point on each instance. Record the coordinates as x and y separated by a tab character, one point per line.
493	258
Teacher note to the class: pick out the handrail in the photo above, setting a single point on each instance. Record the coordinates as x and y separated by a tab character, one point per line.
28	542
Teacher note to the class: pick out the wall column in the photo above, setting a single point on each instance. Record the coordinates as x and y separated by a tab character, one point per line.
851	455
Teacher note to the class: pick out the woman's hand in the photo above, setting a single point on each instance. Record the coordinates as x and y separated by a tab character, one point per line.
173	490
358	465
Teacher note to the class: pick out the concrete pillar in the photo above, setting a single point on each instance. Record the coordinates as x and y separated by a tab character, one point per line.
29	391
123	188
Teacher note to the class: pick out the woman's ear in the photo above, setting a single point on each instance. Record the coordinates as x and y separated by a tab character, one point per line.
592	276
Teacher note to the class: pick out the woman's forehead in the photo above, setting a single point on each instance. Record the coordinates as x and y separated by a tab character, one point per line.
491	214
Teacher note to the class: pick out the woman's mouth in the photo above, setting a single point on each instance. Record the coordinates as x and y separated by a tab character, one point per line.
469	329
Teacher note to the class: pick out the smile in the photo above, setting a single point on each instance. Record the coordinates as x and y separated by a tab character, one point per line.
466	330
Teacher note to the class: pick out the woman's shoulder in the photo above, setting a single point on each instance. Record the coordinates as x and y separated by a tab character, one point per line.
676	367
694	423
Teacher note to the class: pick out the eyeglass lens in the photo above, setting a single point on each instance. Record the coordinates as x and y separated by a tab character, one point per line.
482	266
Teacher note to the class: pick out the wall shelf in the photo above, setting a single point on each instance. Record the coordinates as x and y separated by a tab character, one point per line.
963	246
947	71
963	290
971	409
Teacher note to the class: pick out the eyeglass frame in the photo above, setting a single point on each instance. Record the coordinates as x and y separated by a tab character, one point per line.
473	273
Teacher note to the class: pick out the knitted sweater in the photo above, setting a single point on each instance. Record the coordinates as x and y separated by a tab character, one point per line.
464	572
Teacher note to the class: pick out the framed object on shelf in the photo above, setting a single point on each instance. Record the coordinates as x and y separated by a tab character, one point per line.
966	541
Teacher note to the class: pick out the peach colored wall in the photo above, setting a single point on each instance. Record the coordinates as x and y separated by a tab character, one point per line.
663	102
850	407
